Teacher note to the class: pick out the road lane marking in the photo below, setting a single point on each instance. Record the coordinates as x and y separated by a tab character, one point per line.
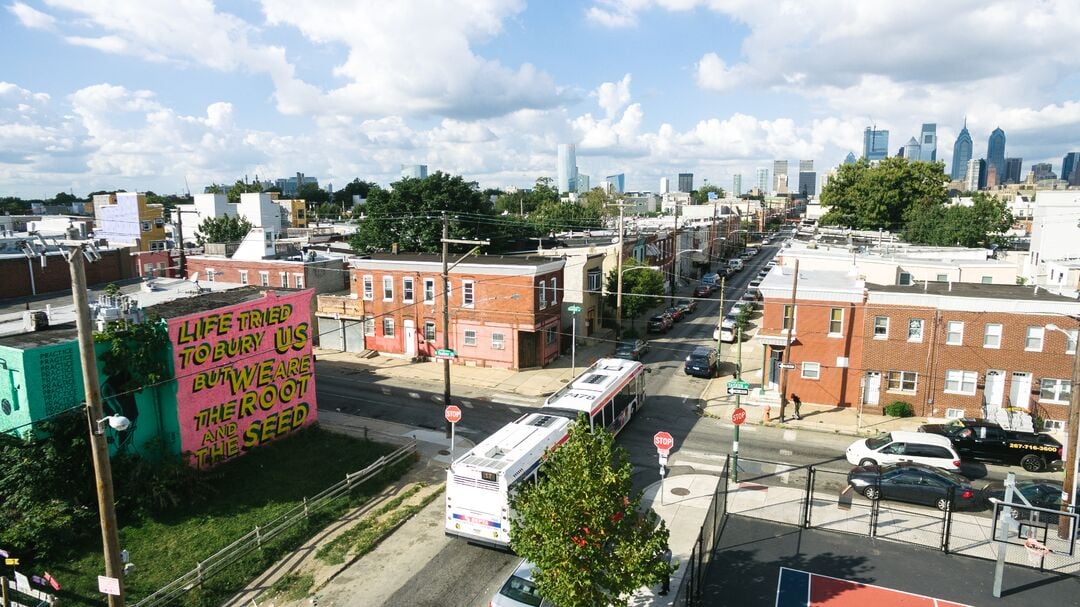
785	452
415	395
467	403
387	391
790	435
515	410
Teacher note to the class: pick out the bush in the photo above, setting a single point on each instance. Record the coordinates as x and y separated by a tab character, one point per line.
899	409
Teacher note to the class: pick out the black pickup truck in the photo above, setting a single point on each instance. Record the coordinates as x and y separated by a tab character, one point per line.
982	440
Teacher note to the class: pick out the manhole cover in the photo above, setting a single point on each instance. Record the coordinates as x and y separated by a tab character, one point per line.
680	491
444	452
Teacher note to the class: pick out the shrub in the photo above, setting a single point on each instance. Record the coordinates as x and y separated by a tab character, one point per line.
899	409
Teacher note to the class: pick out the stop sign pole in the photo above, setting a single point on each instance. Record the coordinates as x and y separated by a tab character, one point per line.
664	442
453	416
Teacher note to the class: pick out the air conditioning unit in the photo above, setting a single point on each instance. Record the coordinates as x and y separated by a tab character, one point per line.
35	320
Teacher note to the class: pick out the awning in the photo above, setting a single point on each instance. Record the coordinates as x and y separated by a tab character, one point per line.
774	340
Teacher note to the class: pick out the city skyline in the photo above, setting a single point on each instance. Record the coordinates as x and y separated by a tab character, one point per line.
173	97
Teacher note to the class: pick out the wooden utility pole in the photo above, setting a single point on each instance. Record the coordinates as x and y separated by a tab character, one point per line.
618	275
1069	488
675	252
180	243
788	340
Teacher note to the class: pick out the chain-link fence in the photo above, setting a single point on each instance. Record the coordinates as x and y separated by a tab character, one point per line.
694	581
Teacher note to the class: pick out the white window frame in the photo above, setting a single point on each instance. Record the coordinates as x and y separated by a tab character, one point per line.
1032	333
554	291
832	320
787	322
903	379
1070	341
388	327
243	277
949	333
955	413
962	378
469	338
388	286
905	279
1053	425
298	281
369	326
942	278
147	226
810	370
922	330
408	290
429	291
468	294
434	330
595	278
987	334
1061	391
284	278
368	292
877	325
987	280
543	294
264	278
498	341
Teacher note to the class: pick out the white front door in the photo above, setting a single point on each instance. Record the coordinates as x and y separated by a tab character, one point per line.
410	337
1020	390
994	391
872	392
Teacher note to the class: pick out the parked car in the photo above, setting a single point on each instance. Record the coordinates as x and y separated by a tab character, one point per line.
737	307
729	271
702	290
702	362
725	332
519	590
1038	493
631	349
661	323
676	313
983	440
916	483
689	304
901	446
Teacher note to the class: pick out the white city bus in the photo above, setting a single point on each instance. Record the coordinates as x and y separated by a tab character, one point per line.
479	483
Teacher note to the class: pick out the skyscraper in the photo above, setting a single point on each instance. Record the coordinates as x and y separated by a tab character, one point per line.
1012	170
414	171
736	184
583	184
665	185
975	175
807	178
617	182
1070	168
875	144
781	184
686	182
567	168
779	167
850	158
912	151
928	142
763	180
961	154
995	151
1043	170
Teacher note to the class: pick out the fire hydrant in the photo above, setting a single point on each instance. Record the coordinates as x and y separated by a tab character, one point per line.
765	413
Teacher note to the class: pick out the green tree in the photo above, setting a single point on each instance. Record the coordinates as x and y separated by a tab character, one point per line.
868	197
582	527
134	358
559	216
983	224
312	194
344	196
242	187
701	195
223	230
409	214
641	288
327	210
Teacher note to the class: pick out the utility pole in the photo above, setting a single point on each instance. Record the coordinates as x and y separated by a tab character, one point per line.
675	250
714	237
446	267
180	242
1069	488
787	346
99	447
618	272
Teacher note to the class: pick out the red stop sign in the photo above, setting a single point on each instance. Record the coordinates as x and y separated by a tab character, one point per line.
738	416
663	441
453	414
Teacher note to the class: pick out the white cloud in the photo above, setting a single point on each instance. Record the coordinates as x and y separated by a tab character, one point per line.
613	96
31	17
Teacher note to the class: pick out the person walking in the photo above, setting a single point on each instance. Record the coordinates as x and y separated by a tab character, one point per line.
665	587
798	403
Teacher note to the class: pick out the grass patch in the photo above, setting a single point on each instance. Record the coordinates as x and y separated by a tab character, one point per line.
248	491
291	587
361	538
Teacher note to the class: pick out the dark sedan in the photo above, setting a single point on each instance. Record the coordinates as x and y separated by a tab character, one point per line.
659	324
702	291
1038	493
916	483
632	349
688	304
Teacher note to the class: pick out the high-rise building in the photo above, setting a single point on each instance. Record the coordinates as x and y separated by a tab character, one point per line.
665	185
566	170
912	151
736	184
686	182
995	150
782	184
1070	168
414	171
807	178
1042	171
875	144
583	183
850	158
961	154
779	167
762	181
806	165
928	142
617	183
991	176
975	175
1012	170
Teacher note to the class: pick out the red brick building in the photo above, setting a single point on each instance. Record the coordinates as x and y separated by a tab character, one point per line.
319	272
504	311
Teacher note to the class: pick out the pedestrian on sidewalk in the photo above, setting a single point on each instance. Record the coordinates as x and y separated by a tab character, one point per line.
798	403
665	587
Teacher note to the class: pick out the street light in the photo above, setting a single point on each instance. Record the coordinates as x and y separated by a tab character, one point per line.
1069	488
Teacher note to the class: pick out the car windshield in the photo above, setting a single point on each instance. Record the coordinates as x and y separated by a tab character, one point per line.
625	346
521	590
879	441
953	426
701	359
657	319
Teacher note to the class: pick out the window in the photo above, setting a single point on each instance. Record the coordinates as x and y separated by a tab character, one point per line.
210	274
388	288
429	290
1052	425
264	279
594	280
836	321
788	313
988	280
1070	342
1055	390
407	289
915	329
960	382
369	326
157	245
369	288
954	413
543	294
159	223
943	278
554	291
954	333
147	226
298	281
468	297
905	279
429	330
470	338
284	278
243	277
902	381
1033	340
881	327
498	341
549	336
811	370
388	327
992	336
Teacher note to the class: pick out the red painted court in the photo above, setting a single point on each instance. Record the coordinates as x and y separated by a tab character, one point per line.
797	588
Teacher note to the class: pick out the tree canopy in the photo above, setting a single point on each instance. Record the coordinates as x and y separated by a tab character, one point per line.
641	288
223	229
527	201
344	196
983	224
701	195
581	525
866	197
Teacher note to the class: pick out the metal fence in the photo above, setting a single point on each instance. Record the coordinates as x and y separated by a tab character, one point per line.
262	534
689	593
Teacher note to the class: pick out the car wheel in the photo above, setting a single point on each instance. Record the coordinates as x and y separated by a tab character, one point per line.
866	461
872	493
1033	463
942	503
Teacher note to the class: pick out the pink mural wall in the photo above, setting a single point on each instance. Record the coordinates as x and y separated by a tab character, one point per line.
245	375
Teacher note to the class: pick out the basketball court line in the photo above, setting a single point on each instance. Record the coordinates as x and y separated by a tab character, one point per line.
797	588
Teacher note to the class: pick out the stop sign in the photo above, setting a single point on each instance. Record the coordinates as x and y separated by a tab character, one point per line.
453	414
663	441
738	416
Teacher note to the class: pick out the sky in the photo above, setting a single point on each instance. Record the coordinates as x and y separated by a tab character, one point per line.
172	96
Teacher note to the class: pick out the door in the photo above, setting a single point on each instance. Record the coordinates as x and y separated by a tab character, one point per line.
872	388
410	337
1020	390
994	391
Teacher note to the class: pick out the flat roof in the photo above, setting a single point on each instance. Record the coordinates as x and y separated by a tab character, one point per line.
208	301
973	289
51	336
495	260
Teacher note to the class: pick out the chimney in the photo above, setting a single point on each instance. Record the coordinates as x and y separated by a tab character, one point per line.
394	248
